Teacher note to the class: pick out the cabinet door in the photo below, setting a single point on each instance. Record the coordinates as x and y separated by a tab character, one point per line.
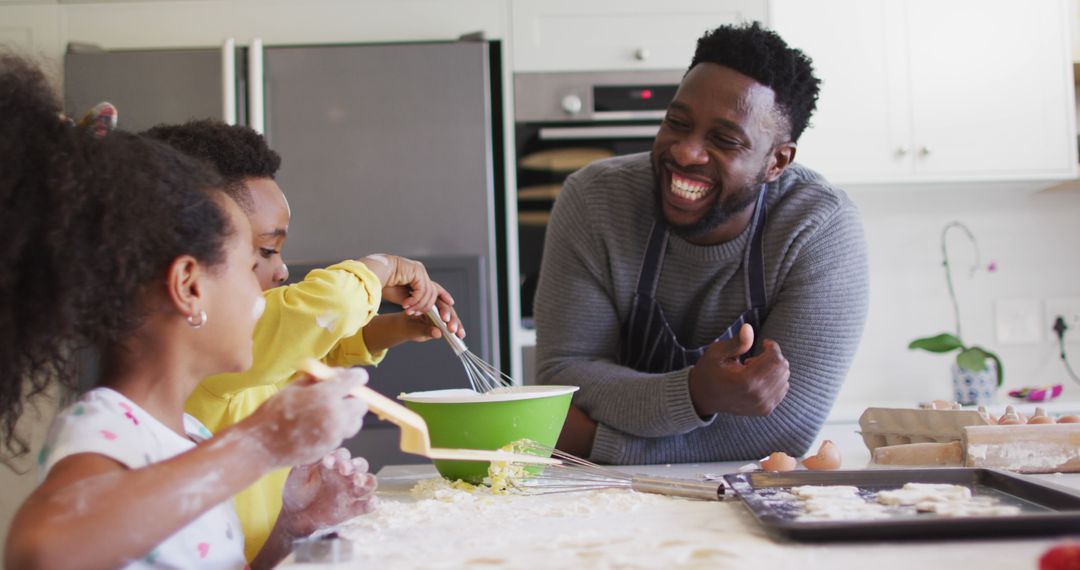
608	35
990	88
861	131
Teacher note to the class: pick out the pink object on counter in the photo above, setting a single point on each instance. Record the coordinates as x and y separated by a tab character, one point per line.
1039	394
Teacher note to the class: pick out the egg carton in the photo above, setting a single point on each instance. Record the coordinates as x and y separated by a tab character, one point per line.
881	427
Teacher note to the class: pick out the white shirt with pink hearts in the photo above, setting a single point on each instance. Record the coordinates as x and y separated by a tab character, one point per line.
105	422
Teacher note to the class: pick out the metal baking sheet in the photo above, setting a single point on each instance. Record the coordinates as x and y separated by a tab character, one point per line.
1045	509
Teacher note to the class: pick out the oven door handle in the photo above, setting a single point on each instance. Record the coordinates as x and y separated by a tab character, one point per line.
607	132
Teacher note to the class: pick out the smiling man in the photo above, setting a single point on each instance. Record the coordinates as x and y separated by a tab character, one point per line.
707	297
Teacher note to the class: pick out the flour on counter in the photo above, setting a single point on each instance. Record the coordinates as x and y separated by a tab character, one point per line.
439	524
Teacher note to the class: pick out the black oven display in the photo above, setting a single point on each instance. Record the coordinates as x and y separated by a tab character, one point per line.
620	98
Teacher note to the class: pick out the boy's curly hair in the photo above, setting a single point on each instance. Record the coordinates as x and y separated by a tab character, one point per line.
87	225
763	55
235	151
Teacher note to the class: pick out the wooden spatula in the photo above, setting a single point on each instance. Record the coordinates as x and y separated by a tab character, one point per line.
414	430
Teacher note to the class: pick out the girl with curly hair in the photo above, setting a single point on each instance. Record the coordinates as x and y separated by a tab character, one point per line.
125	243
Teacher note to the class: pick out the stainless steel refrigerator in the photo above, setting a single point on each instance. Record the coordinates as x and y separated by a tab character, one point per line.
386	148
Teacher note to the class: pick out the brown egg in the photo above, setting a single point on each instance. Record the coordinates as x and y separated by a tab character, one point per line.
1040	417
827	458
1069	420
778	461
941	405
1011	417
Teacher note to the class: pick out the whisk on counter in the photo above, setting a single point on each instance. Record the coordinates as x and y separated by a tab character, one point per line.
483	377
579	475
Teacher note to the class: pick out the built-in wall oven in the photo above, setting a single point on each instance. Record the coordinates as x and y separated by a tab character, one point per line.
564	121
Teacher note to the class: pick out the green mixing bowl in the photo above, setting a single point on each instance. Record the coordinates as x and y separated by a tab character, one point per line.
463	419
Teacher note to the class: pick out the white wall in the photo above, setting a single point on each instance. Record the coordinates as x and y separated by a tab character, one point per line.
1033	237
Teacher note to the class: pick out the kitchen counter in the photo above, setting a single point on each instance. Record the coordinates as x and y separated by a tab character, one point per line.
625	530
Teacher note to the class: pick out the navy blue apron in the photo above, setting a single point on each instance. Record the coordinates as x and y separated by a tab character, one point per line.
647	343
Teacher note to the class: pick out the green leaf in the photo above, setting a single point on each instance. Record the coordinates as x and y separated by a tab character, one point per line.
997	362
973	359
943	342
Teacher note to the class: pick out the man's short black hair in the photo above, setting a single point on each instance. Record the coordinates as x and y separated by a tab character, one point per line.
236	152
763	55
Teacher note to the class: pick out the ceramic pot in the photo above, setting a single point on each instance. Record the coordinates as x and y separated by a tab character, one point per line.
975	387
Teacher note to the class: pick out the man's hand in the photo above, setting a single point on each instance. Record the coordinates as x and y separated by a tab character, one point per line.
577	433
327	492
720	382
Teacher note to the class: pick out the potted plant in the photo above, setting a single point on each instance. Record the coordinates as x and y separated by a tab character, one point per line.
977	373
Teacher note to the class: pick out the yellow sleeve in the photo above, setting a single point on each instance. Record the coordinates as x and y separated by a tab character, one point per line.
305	320
353	351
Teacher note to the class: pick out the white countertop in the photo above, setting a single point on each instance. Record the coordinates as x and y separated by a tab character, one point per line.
570	531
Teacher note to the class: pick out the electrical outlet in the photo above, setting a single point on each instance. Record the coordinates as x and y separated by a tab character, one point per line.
1067	308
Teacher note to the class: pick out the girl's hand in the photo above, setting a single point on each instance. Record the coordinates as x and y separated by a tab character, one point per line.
309	418
328	492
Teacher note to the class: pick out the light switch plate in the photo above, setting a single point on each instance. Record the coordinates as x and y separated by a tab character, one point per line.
1018	321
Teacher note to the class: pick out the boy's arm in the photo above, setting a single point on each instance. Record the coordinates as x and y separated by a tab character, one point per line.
306	319
383	332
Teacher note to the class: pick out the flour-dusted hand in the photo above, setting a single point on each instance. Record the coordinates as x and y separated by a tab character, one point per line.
720	382
309	418
334	489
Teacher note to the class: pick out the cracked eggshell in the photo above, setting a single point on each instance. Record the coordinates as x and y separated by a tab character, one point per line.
827	457
778	461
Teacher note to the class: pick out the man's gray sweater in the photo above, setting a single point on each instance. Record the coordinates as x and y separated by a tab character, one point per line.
817	286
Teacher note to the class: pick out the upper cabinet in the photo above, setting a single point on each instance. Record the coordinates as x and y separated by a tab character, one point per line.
615	35
923	90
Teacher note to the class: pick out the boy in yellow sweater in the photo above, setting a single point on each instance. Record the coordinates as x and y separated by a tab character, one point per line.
331	314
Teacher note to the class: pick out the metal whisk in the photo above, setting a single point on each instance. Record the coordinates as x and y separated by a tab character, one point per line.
576	475
483	377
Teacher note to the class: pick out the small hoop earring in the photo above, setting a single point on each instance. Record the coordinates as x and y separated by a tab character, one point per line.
202	320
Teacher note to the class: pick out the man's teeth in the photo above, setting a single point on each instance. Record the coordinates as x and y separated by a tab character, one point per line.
688	189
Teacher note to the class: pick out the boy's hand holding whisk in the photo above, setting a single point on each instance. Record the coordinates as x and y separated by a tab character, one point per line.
407	283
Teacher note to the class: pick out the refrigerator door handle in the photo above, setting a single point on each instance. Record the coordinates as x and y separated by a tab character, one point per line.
228	81
256	111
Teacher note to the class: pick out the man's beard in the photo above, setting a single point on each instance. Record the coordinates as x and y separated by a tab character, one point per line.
721	211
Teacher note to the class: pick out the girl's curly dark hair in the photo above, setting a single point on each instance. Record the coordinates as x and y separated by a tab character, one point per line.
236	152
763	55
86	225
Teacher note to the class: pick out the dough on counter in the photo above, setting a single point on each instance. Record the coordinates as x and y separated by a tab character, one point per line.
844	508
971	508
915	493
837	502
826	491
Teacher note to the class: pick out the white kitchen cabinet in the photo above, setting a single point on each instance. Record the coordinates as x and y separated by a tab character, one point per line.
32	29
609	35
178	23
923	90
171	24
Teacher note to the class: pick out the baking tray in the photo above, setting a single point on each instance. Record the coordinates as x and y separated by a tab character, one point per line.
1045	509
